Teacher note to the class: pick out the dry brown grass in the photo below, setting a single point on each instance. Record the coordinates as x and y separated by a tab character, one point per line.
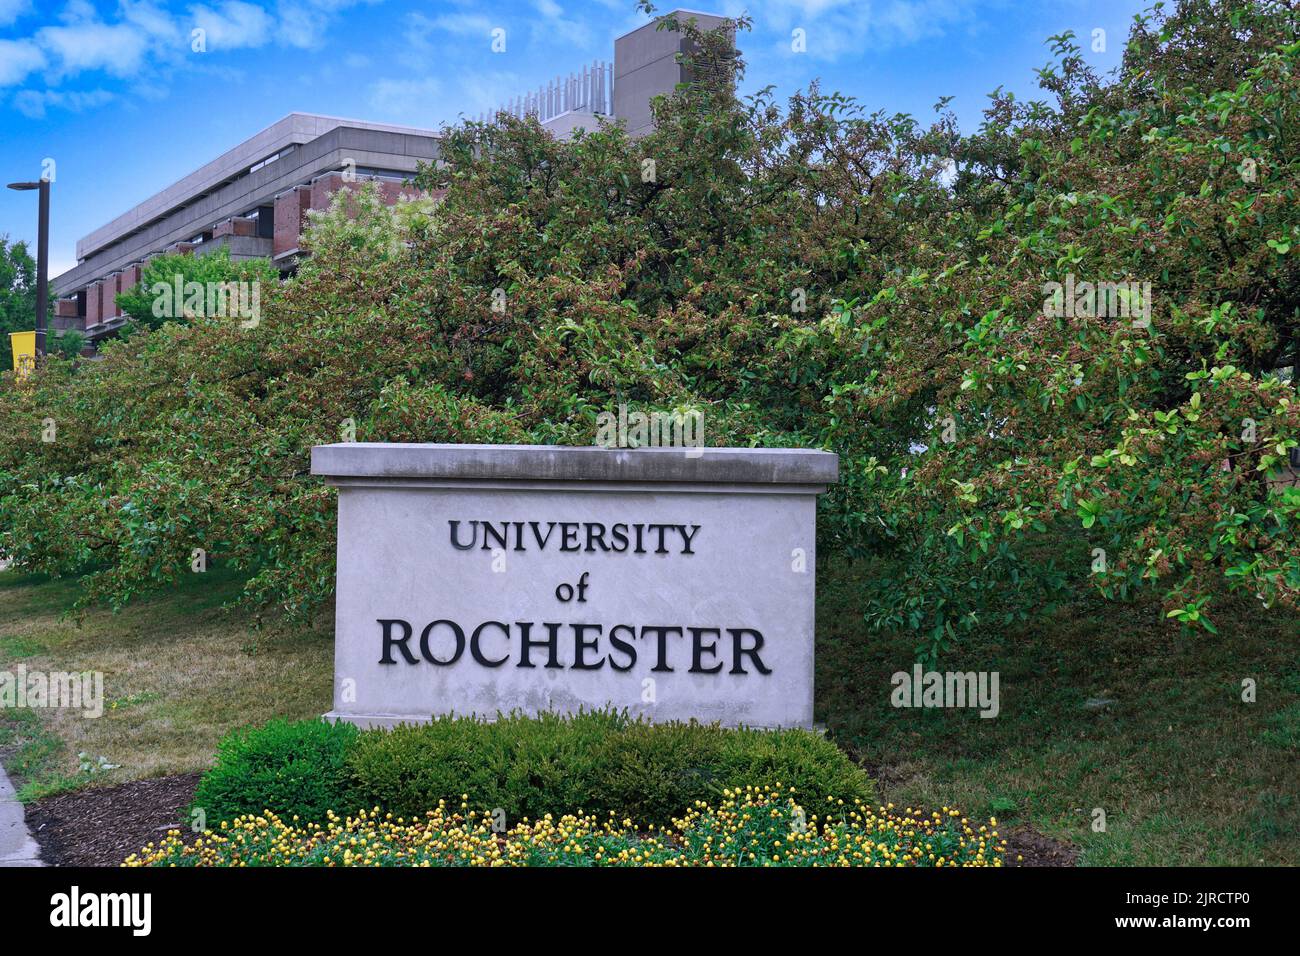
179	672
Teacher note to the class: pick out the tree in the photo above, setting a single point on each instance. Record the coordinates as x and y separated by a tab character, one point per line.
182	286
806	274
17	294
67	344
1147	446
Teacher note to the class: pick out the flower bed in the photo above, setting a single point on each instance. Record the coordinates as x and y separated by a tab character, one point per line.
749	827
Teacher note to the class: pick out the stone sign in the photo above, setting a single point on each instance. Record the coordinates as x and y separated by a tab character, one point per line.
477	579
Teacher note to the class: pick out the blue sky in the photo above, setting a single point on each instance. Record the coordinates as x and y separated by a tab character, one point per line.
114	92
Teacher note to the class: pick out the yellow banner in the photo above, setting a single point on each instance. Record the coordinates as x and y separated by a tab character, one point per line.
24	349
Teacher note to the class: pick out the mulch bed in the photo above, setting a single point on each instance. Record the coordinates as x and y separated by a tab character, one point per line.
105	825
102	827
1037	850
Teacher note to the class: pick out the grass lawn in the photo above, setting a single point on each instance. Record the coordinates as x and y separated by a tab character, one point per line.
1185	771
179	672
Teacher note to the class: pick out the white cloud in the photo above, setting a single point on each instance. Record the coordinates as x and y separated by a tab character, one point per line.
145	41
91	45
486	93
332	6
462	24
426	37
403	99
152	19
418	30
834	28
78	10
303	23
11	10
233	25
417	35
300	26
555	26
84	42
34	103
17	59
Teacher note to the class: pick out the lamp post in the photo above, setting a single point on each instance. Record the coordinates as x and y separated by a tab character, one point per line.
42	259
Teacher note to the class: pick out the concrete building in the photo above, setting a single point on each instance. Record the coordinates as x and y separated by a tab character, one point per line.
254	198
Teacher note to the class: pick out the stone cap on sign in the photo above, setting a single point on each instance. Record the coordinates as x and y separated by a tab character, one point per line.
778	469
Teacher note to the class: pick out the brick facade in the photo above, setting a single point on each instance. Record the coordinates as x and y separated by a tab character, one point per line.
108	295
130	278
94	304
238	226
290	208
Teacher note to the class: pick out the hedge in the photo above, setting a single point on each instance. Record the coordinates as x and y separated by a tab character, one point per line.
525	767
297	767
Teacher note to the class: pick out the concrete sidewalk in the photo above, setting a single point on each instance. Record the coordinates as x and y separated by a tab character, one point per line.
17	848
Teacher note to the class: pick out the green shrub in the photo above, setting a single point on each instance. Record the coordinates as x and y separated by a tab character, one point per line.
654	772
595	762
399	768
522	764
290	768
554	760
